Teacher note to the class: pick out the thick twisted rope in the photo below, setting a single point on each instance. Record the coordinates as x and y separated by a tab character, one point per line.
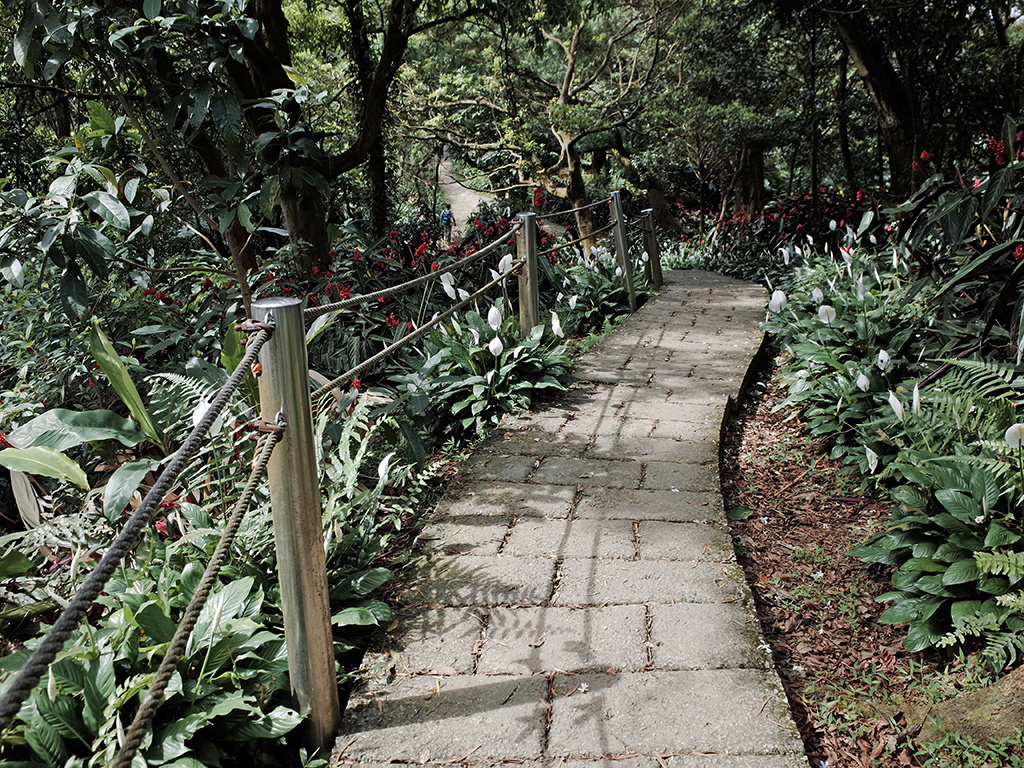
365	297
577	210
38	663
424	329
577	241
143	721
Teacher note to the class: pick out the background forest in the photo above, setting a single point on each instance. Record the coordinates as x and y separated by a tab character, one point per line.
165	162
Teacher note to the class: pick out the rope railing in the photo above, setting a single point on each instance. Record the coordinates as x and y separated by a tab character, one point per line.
370	362
366	297
587	207
577	241
143	721
44	654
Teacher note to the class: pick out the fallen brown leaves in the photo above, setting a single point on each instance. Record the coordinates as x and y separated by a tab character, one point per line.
816	604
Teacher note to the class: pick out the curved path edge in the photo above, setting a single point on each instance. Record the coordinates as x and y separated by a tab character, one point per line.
579	602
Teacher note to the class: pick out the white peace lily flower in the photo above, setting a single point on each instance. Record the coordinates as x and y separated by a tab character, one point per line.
505	263
832	225
618	271
475	334
861	290
494	317
915	403
817	296
863	382
810	240
556	326
873	240
448	284
463	294
895	259
200	411
896	405
883	360
456	326
826	314
382	468
872	459
644	257
559	297
496	347
1015	435
574	299
778	302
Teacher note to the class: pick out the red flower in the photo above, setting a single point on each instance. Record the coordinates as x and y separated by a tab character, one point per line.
344	292
421	251
925	157
433	266
917	167
357	255
161	528
207	283
3	441
356	385
408	326
392	320
1018	253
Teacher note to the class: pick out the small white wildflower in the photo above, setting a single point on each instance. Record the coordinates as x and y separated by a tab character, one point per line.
979	519
583	688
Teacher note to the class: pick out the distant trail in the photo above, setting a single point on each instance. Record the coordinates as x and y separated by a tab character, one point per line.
464	200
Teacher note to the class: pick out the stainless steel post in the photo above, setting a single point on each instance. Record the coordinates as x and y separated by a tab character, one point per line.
529	284
622	248
653	251
298	532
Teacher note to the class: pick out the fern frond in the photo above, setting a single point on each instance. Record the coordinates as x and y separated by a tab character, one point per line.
1009	564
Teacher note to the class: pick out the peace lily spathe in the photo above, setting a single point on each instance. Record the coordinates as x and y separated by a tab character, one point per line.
896	405
817	296
448	283
1015	435
916	401
572	301
496	347
826	314
882	361
494	317
556	326
872	459
778	302
863	382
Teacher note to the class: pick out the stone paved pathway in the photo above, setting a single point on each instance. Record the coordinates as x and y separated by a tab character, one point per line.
580	604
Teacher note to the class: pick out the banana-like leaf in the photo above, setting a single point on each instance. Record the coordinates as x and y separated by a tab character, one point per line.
61	429
46	462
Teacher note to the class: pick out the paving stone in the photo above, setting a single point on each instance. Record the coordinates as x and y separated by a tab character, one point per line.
629	504
588	472
435	718
665	475
707	636
730	710
622	582
530	442
426	640
710	407
507	500
651	449
465	536
471	580
524	640
685	541
543	421
509	469
707	430
537	537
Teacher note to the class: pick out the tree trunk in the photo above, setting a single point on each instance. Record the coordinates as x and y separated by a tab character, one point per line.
748	185
378	181
578	198
895	103
842	88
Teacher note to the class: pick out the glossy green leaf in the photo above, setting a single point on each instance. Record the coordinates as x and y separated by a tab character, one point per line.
109	208
116	372
45	462
13	563
121	486
61	429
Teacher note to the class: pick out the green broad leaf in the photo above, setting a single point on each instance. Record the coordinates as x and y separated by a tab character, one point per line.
116	372
740	513
964	610
61	429
992	585
45	462
921	636
960	505
932	584
14	563
223	605
961	572
152	620
362	583
317	327
74	293
26	44
100	117
151	8
354	616
1000	536
273	724
108	208
169	742
121	486
904	611
923	564
911	498
12	271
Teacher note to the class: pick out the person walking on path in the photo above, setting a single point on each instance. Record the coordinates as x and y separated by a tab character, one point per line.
447	223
